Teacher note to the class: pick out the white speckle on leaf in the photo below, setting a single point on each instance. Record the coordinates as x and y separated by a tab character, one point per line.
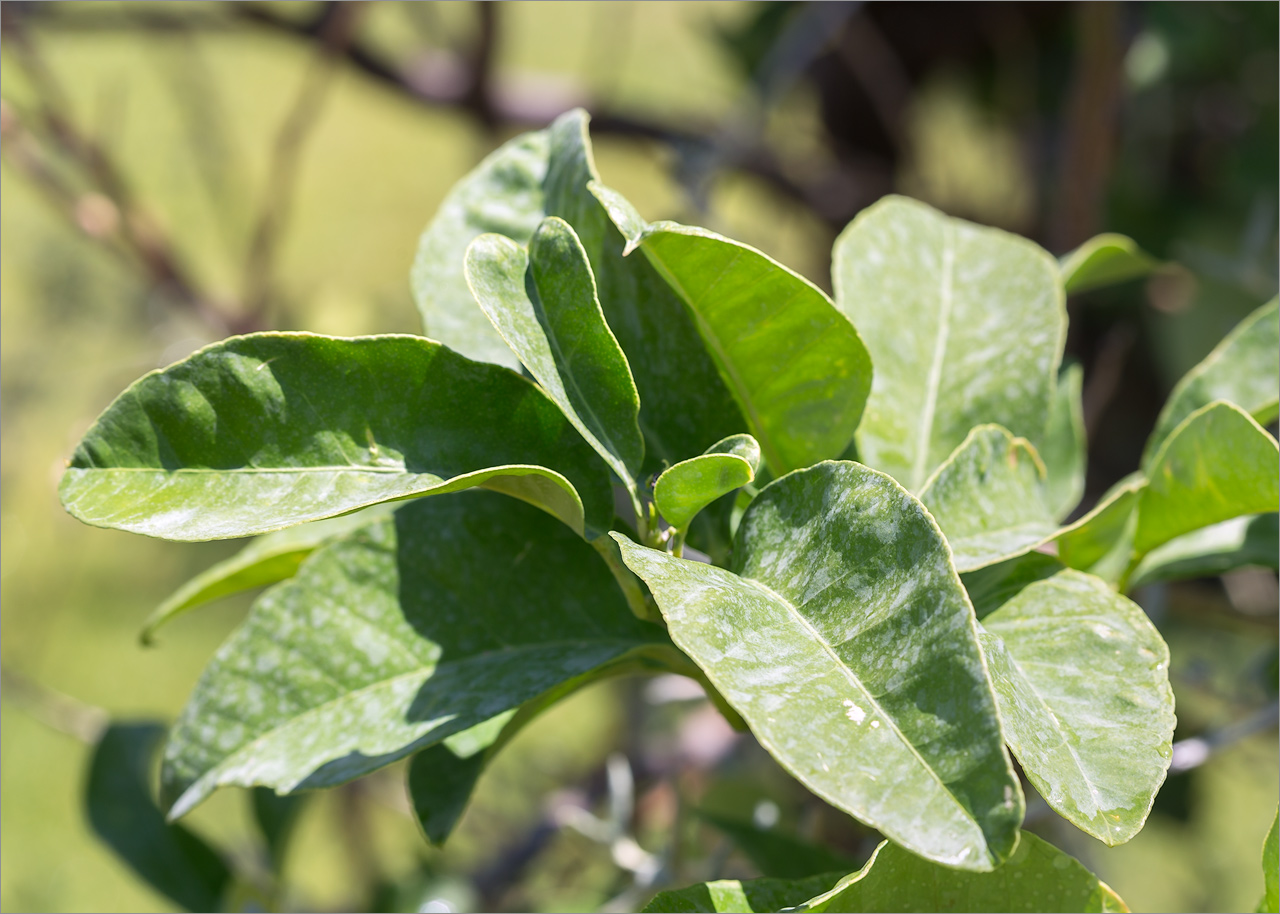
854	713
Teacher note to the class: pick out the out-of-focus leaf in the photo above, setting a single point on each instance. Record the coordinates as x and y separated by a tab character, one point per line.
124	814
1101	542
1271	869
775	853
276	817
731	896
794	363
1105	260
1065	449
544	305
843	637
686	488
1213	550
262	432
266	560
1243	369
1082	678
988	497
1038	877
965	326
409	631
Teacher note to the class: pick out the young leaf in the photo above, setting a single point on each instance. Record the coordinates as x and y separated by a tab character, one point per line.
266	560
1213	550
1065	448
1105	260
775	853
1082	678
544	305
965	326
1271	869
1101	542
122	812
1218	464
845	640
794	363
686	488
988	497
731	895
262	432
407	632
503	194
1038	877
1243	369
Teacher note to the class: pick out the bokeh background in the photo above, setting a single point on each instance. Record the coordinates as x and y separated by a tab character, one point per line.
173	173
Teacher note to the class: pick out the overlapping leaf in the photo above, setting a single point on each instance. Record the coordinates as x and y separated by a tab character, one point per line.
262	432
965	326
731	895
1101	542
1065	448
422	626
1271	869
1105	260
845	640
686	488
1213	550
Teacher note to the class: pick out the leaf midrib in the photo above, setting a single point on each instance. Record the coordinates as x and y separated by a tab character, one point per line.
934	381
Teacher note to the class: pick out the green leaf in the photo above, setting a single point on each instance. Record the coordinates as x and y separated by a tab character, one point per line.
503	194
730	896
794	363
965	326
1065	448
1213	550
123	813
266	560
1101	542
1105	260
1038	877
409	631
1243	369
988	497
686	488
276	817
544	305
262	432
843	637
776	853
1082	678
1218	464
1271	869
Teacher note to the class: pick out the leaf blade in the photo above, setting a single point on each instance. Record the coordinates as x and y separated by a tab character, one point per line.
1066	449
1105	260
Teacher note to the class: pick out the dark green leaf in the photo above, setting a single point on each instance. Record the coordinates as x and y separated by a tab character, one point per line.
1105	260
965	326
1213	550
686	488
845	640
989	499
730	896
775	853
123	814
1083	682
276	817
1065	449
407	632
544	305
262	432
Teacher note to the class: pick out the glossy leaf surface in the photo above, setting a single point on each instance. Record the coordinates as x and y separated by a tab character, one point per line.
797	368
410	631
1105	260
843	637
1038	877
965	326
1083	682
1213	550
732	896
544	305
263	432
502	194
686	488
988	497
1243	369
123	813
1065	448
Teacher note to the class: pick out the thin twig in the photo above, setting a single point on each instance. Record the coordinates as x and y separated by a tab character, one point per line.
52	708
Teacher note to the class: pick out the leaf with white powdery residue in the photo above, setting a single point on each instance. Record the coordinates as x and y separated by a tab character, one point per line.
262	432
411	630
686	488
843	637
965	325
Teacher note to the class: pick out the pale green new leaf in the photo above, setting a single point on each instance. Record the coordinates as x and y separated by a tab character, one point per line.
262	432
411	630
1065	448
544	305
1082	678
1105	260
266	560
1216	465
1271	869
965	326
731	896
1243	369
1213	550
988	497
686	488
503	194
845	640
1038	877
794	363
